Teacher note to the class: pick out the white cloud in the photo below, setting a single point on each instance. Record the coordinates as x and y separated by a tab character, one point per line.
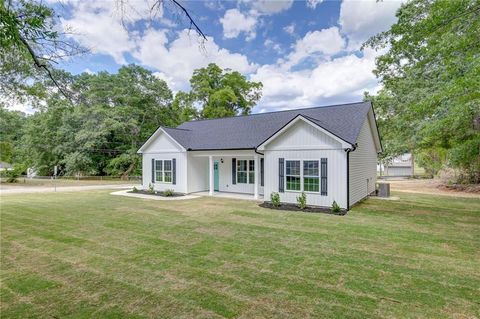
290	29
341	79
88	71
177	59
235	22
321	43
273	45
271	6
97	27
313	3
360	20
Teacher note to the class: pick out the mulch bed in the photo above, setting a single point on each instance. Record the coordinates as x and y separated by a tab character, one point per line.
156	194
308	209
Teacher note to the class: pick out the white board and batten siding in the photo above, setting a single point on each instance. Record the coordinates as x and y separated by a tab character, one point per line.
198	171
303	141
164	148
363	165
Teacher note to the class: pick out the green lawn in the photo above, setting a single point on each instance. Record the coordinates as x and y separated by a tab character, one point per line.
90	254
48	182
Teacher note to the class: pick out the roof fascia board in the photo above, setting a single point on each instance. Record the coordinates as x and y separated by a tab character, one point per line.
154	136
300	117
374	129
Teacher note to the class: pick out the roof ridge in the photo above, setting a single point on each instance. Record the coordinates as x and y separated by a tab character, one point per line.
176	128
300	109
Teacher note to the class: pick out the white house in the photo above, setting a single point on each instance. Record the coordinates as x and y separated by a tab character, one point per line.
328	152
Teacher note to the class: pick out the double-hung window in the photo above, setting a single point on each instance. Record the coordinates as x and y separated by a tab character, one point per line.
292	175
251	171
302	175
163	171
311	178
245	171
242	172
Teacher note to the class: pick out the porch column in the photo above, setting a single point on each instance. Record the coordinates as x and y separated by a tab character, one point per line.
257	176
210	175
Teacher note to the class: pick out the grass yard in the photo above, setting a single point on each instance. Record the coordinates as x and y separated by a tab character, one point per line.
90	254
47	182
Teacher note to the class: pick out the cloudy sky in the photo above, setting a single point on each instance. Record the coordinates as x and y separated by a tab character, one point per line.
304	53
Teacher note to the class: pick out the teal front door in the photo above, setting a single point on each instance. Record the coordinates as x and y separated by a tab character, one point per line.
216	176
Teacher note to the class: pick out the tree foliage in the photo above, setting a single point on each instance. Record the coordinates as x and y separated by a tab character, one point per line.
30	45
101	131
221	93
11	123
430	101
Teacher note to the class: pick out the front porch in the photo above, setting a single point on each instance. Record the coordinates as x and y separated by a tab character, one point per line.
230	174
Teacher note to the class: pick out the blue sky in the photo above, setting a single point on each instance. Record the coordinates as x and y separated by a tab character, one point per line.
305	53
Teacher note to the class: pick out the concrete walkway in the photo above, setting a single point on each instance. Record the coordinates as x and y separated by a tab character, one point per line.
51	189
144	196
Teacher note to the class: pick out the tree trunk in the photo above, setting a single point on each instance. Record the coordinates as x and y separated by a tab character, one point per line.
128	171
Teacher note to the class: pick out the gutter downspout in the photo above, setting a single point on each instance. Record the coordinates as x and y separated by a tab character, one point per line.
348	150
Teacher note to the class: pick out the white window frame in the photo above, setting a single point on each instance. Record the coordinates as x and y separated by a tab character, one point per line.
163	171
239	171
247	171
300	176
311	176
302	188
251	171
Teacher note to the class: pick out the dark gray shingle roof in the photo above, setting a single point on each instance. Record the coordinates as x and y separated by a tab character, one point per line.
248	132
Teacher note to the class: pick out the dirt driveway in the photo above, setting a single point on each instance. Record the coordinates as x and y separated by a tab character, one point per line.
425	186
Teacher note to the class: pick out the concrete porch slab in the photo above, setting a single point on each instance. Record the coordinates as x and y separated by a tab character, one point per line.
231	195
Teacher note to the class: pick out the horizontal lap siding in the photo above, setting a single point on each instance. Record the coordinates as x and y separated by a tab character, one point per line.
363	165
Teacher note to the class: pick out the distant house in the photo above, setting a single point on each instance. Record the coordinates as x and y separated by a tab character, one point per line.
398	167
328	152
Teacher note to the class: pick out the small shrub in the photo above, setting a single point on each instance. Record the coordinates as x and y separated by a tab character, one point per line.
168	192
275	199
302	201
151	190
335	207
134	190
12	176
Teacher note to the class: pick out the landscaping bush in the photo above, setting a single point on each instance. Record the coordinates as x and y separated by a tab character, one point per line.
275	199
151	190
302	201
335	207
168	192
134	190
12	176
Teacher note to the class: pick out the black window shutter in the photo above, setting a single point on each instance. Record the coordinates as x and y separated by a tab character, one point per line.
153	170
234	171
174	171
323	176
281	176
261	172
